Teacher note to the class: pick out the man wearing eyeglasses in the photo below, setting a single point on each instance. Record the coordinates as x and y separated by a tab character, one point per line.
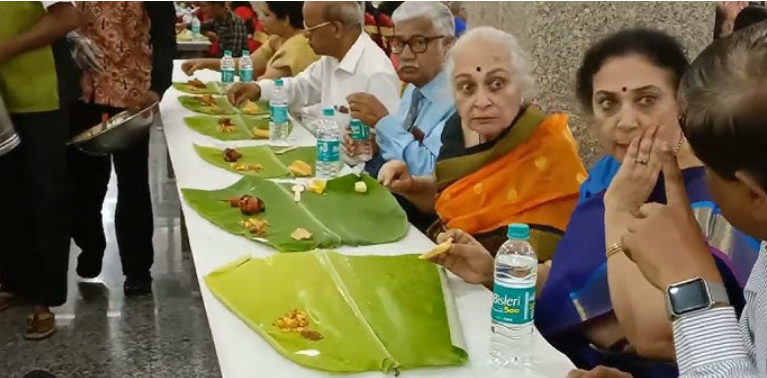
422	38
351	62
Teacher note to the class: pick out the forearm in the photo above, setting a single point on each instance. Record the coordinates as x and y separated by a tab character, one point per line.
639	306
423	195
60	19
710	345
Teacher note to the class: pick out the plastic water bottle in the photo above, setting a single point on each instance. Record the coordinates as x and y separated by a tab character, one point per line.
279	126
363	147
516	270
328	145
246	67
195	23
227	69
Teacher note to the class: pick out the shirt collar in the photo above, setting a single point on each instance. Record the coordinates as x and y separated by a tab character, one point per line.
437	89
355	53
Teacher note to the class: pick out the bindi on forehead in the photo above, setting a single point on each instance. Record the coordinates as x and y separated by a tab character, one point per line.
479	69
624	89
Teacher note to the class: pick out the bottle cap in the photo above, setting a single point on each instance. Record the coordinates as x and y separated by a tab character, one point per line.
279	82
518	231
355	122
227	53
328	112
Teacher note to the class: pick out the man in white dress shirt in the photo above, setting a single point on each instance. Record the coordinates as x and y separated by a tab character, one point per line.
351	62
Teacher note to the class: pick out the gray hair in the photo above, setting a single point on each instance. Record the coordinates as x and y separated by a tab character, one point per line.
520	63
435	11
349	13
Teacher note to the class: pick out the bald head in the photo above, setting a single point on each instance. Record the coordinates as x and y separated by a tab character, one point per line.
348	13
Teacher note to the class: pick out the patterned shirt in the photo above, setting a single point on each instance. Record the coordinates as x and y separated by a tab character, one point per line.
711	344
231	31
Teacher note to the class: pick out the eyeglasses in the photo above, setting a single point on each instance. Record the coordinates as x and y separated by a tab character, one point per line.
418	44
308	30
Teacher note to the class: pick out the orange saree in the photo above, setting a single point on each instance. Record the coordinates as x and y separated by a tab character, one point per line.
531	174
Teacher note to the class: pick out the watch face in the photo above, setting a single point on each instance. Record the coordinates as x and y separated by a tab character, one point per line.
689	296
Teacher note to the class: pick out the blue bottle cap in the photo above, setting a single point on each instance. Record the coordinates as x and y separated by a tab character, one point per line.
245	52
328	112
355	123
227	52
519	231
279	82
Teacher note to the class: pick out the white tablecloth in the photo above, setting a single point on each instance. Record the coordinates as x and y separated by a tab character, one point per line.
244	354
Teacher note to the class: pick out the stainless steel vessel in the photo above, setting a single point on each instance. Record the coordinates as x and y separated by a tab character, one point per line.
8	137
118	133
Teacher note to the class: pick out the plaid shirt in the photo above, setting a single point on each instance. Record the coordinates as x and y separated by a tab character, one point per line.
232	33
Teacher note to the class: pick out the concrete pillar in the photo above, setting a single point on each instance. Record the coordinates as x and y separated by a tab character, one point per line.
556	35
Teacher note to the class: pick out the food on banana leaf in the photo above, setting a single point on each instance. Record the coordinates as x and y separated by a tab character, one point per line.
317	186
300	169
250	205
370	219
360	187
255	226
225	125
196	83
231	155
438	250
405	323
207	104
260	133
273	164
246	167
301	234
250	107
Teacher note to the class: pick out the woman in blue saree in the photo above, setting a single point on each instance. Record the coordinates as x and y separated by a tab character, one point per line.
599	310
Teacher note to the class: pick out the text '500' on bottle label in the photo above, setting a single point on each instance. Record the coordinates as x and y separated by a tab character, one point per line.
328	151
513	305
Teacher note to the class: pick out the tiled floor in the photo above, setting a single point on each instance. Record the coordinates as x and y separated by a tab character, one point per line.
105	335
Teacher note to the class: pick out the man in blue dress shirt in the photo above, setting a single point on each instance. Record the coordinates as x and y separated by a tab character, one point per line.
423	36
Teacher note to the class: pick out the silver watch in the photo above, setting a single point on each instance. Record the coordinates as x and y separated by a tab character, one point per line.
693	296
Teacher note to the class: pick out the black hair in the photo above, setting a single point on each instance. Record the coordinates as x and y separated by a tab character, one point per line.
722	98
660	48
388	7
292	10
750	15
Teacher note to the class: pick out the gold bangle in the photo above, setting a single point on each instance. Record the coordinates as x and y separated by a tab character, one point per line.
614	249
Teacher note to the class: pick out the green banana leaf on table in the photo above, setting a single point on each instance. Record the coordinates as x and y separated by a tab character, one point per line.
208	126
374	313
275	163
211	87
223	107
339	216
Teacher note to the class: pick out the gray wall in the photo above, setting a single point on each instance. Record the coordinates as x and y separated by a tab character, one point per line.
556	34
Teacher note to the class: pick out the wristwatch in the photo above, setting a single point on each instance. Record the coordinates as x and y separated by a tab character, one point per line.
692	296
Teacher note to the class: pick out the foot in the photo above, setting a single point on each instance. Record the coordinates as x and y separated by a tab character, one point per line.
7	300
136	286
89	265
40	325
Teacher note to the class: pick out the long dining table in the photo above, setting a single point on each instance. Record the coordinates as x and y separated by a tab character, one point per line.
241	352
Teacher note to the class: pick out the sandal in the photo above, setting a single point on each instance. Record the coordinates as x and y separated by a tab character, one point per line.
40	326
7	300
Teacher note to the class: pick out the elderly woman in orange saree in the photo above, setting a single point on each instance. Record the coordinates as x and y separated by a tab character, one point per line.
502	160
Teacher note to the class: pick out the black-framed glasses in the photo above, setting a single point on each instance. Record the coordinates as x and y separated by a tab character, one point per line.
418	44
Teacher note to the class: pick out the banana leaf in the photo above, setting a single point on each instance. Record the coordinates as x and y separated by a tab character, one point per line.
210	88
375	313
275	162
208	126
368	218
282	212
192	103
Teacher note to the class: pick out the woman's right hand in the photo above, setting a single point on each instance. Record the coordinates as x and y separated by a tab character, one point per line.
192	65
466	258
395	176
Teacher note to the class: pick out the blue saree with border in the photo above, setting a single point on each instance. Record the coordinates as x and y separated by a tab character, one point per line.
577	288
